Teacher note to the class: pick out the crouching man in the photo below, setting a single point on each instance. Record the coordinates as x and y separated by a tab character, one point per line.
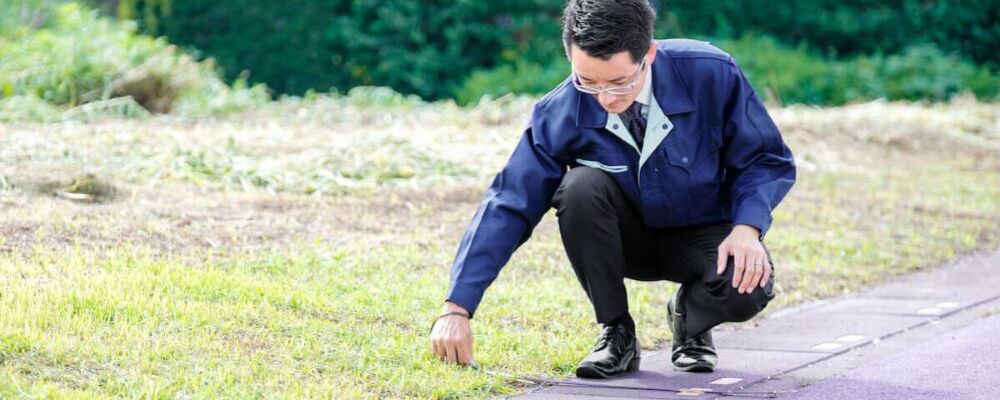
662	164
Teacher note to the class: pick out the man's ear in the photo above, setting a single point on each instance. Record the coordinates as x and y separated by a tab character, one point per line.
651	53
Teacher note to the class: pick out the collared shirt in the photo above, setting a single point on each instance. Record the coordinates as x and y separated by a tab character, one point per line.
711	154
646	93
643	98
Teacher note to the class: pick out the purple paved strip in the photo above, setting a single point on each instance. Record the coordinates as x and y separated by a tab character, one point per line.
964	364
959	364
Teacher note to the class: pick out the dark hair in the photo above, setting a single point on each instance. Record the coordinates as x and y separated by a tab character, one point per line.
603	28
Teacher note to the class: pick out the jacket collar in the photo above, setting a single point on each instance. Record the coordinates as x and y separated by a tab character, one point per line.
669	91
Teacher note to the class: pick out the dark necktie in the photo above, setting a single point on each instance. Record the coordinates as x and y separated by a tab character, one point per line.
636	122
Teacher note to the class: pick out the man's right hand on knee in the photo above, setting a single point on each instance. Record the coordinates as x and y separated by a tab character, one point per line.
451	336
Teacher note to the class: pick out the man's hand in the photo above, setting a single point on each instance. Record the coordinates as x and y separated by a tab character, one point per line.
451	336
749	259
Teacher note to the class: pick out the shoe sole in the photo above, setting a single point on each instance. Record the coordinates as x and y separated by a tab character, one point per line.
695	368
592	372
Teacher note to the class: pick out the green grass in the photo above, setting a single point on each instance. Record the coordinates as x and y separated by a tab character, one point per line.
315	322
882	189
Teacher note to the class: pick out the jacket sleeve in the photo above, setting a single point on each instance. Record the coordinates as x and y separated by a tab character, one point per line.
760	167
514	203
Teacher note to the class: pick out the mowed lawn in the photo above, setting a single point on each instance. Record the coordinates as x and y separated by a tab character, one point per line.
283	255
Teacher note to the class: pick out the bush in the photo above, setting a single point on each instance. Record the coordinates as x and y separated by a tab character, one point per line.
789	75
842	28
925	72
427	48
798	75
69	55
522	77
784	74
464	49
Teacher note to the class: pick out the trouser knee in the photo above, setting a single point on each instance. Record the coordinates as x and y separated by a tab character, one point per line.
582	189
743	307
739	307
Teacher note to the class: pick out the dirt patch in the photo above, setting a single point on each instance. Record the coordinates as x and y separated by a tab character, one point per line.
15	235
182	218
185	202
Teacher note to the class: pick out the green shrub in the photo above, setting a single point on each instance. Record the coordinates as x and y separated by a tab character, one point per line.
380	97
924	72
846	27
522	77
788	75
70	56
798	75
464	49
66	55
427	48
26	108
778	72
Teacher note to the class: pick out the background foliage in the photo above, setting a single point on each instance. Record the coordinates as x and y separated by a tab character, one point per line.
852	27
420	47
65	54
61	53
820	51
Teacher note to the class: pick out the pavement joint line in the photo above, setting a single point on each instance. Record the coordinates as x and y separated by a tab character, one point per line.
891	297
739	392
794	310
901	314
935	319
772	350
966	307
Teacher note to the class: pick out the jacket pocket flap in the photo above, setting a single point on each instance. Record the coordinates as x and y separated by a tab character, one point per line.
609	168
687	152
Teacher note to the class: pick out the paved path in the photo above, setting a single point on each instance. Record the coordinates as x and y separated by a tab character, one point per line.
929	335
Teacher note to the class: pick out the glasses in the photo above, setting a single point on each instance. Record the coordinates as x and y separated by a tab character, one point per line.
615	91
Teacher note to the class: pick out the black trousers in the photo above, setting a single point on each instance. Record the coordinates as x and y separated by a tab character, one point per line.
606	241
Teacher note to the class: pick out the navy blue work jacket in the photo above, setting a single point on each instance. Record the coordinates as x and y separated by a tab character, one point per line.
711	153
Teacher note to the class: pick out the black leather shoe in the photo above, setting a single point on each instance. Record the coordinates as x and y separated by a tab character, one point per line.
689	354
616	352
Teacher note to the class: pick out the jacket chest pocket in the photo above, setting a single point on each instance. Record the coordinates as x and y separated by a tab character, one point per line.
694	160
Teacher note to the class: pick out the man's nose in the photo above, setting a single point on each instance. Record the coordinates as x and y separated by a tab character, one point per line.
606	99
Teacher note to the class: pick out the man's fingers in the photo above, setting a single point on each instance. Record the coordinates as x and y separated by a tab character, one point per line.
459	351
467	350
452	352
464	353
435	339
738	267
748	272
459	356
758	272
767	274
723	258
451	340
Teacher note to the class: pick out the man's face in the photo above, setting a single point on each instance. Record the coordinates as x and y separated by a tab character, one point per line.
619	70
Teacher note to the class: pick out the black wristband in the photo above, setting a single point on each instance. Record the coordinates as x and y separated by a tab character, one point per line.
445	315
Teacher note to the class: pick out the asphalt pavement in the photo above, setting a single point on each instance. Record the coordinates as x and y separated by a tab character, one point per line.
933	334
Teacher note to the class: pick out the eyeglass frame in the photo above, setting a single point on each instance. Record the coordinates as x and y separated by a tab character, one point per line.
626	89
